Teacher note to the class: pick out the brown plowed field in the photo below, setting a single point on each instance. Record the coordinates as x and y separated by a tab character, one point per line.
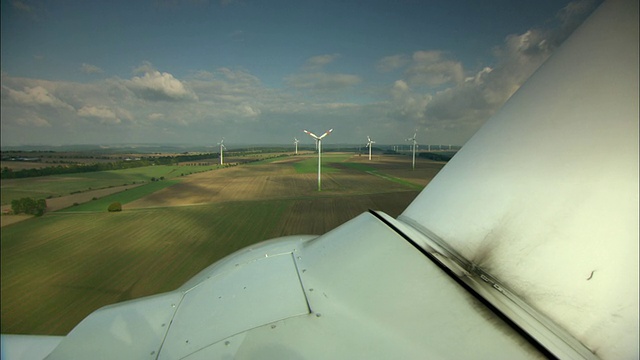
278	180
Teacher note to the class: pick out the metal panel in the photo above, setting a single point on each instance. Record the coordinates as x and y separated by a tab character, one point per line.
130	330
27	347
375	296
254	294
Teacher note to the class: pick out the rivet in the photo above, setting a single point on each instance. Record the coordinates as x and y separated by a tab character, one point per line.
318	314
226	343
273	326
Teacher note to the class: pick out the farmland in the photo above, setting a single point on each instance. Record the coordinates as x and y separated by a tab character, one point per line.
60	185
58	268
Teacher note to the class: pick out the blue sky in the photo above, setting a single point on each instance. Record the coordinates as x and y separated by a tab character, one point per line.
194	71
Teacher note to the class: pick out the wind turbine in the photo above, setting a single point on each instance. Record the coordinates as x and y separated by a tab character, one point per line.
319	146
295	142
221	151
413	139
369	142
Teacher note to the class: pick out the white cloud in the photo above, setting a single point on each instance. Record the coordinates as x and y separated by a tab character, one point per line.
433	68
320	61
32	120
157	86
432	89
90	69
35	96
239	77
106	115
155	116
407	104
463	101
391	63
248	111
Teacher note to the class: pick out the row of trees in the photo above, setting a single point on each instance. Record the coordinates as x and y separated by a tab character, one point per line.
73	169
29	206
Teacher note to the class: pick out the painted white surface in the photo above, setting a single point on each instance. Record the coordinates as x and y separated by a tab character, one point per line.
545	196
254	294
374	296
27	347
130	330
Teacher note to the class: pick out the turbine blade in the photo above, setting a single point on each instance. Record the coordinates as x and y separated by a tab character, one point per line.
326	133
311	134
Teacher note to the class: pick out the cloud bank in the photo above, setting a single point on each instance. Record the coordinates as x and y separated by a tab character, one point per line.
425	88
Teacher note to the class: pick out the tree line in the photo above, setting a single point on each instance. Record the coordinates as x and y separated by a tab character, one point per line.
29	206
7	173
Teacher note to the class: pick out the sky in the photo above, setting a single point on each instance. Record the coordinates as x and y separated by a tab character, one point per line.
191	72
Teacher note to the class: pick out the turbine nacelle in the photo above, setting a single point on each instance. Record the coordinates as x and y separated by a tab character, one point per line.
369	141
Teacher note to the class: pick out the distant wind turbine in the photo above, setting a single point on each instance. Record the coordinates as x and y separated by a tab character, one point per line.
369	142
413	139
319	145
295	142
221	151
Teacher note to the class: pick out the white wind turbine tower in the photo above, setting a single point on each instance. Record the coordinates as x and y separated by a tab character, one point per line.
319	145
221	151
413	139
369	142
295	142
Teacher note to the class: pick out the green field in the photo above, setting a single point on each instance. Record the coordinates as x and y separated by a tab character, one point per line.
61	185
111	257
123	197
310	164
371	170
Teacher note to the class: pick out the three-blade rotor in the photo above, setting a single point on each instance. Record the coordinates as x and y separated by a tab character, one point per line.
316	136
369	141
